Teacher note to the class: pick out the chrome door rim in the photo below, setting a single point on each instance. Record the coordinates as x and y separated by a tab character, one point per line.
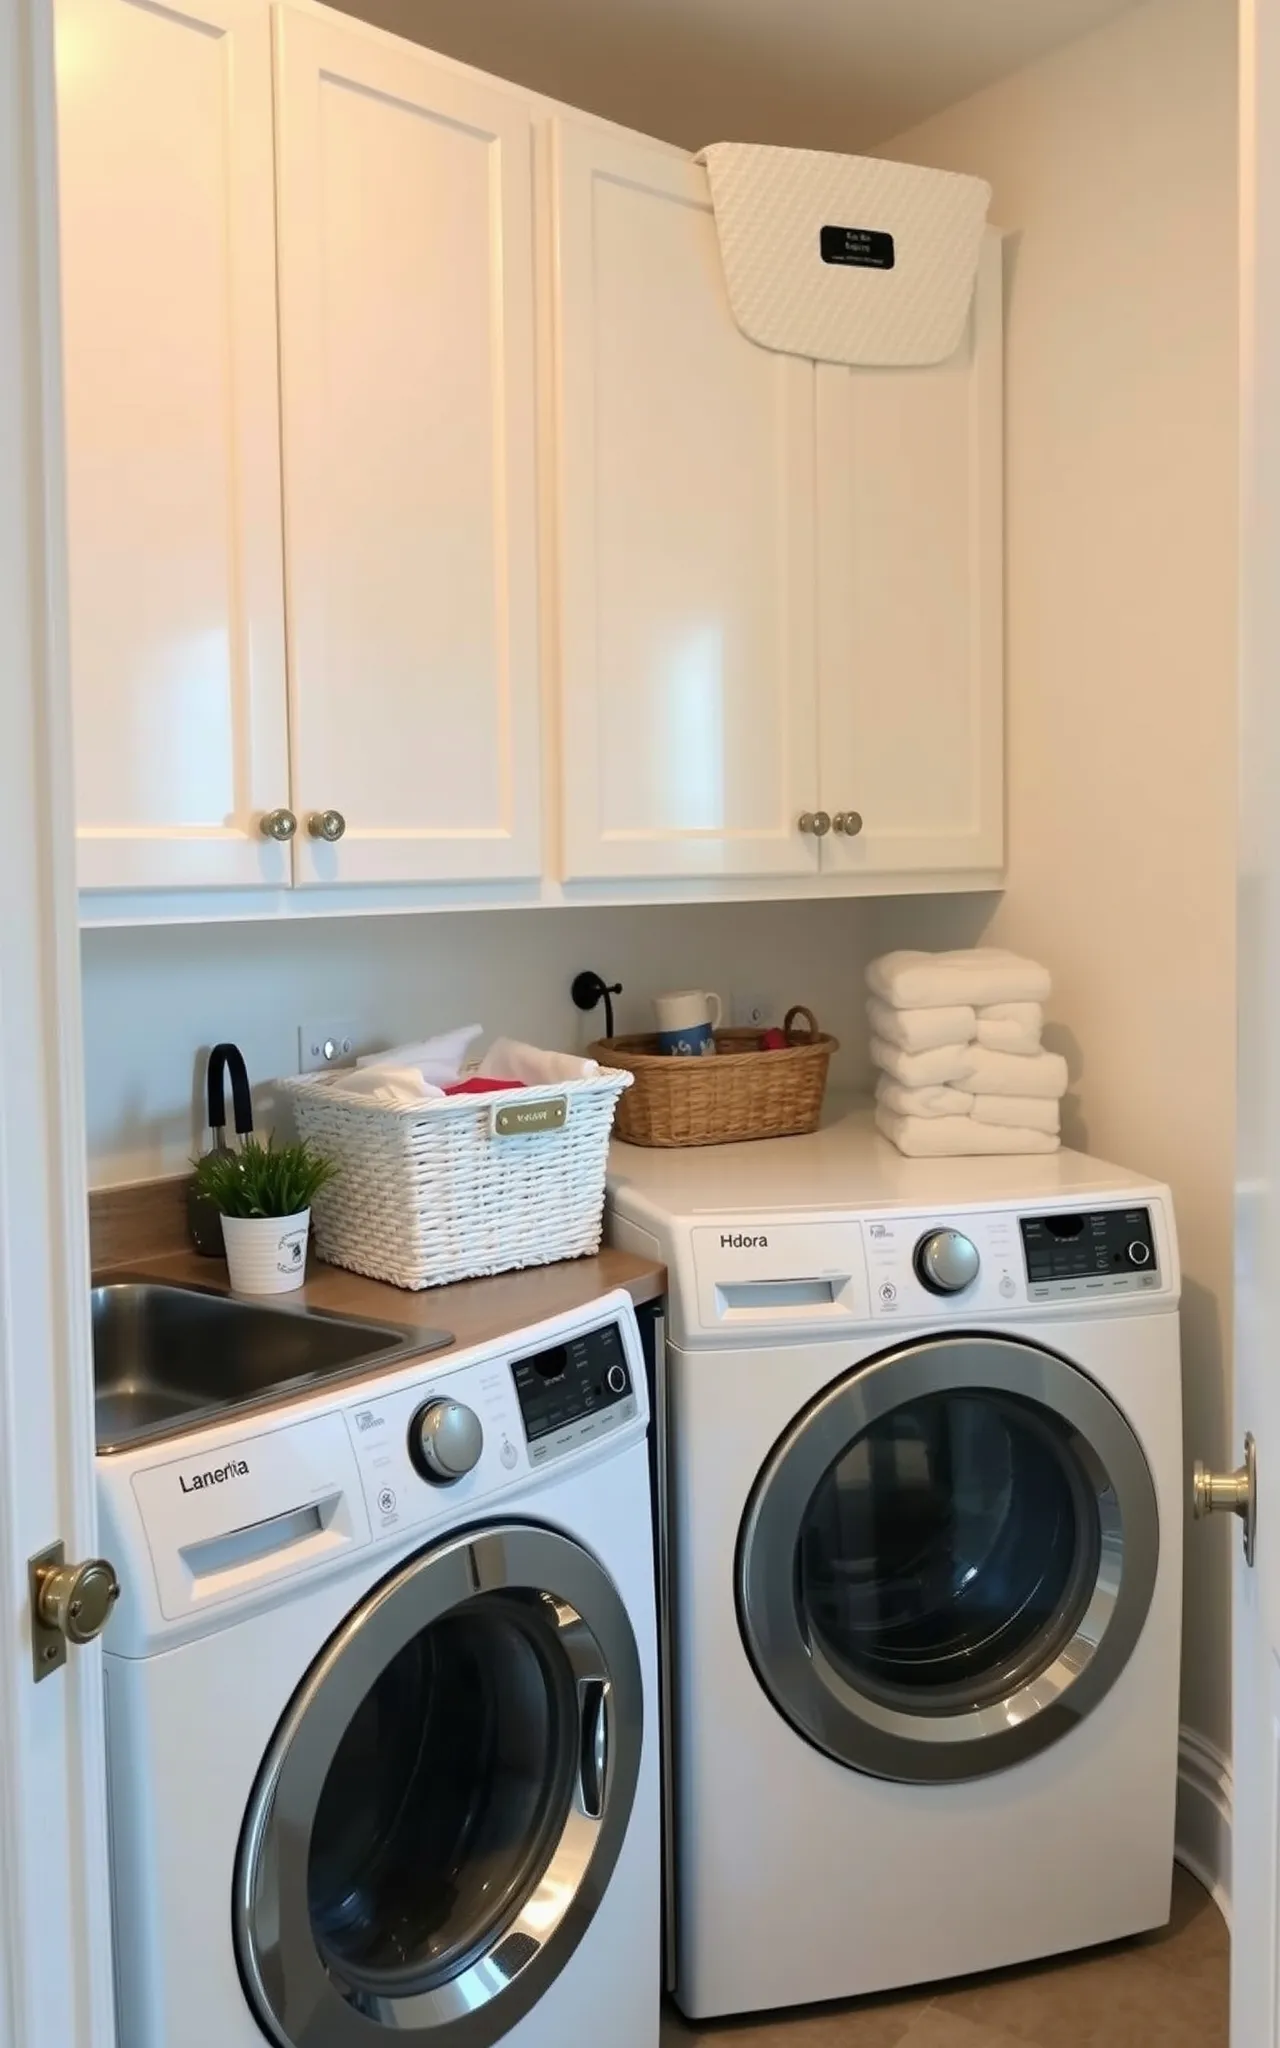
296	1997
802	1682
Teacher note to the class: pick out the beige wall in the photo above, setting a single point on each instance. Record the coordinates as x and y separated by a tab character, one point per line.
1114	169
156	999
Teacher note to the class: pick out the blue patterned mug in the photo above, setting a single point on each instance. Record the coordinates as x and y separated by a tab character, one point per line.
687	1021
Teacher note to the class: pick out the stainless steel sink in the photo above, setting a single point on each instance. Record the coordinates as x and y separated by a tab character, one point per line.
167	1358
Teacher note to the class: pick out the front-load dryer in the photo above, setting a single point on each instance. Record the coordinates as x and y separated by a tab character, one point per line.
383	1743
922	1528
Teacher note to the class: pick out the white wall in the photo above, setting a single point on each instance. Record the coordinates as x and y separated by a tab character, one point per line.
156	999
1114	165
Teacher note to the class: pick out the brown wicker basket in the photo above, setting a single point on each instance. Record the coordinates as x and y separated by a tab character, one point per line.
743	1092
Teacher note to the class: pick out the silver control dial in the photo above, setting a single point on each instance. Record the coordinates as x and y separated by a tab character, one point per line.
616	1379
1139	1253
947	1261
445	1441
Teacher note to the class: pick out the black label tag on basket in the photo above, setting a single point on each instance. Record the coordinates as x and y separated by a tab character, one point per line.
863	248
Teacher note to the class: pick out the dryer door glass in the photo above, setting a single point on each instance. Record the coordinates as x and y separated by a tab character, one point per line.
948	1559
444	1801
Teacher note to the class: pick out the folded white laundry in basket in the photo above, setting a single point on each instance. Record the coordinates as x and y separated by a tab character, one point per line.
921	1030
1012	1073
509	1060
438	1060
388	1087
1021	1112
940	1101
924	1069
956	1137
981	975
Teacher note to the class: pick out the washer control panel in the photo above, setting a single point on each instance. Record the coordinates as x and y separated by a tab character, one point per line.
573	1392
1097	1251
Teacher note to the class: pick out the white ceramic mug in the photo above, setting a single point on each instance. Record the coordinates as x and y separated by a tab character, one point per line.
688	1020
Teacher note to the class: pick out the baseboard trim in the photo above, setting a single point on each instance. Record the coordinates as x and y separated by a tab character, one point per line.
1202	1839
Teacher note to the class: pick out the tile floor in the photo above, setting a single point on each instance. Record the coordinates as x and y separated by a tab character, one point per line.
1165	1990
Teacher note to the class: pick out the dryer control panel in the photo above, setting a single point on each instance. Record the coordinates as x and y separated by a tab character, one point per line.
1099	1251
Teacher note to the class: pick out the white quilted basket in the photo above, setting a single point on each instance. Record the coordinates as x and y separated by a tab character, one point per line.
472	1184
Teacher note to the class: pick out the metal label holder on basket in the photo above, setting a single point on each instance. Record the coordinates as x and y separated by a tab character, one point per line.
527	1119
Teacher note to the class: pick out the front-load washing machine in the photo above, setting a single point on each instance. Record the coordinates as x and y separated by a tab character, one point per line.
922	1528
382	1713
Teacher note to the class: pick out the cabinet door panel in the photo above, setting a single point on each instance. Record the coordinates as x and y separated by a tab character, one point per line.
407	347
910	606
686	539
173	491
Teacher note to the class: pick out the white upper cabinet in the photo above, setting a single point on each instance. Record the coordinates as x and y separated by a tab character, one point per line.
910	604
686	487
409	416
172	441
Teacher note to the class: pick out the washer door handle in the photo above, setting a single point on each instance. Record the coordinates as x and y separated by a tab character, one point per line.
593	1749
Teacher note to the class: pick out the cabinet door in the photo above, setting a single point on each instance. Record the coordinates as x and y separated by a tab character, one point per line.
172	457
409	388
910	603
686	539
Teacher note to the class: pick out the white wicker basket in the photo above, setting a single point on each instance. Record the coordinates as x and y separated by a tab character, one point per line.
475	1184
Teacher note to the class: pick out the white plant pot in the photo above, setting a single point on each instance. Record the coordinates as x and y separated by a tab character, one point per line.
266	1254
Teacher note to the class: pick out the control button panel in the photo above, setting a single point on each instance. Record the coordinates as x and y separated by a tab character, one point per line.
573	1392
974	1262
385	1434
1089	1254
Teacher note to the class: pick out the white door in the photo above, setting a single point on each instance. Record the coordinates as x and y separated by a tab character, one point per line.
1255	1880
409	407
910	604
55	1928
173	481
688	741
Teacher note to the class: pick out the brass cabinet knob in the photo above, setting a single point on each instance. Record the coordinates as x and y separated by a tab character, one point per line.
817	822
1230	1493
77	1599
848	822
278	825
328	825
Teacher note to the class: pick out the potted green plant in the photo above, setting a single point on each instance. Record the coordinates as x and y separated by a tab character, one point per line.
263	1194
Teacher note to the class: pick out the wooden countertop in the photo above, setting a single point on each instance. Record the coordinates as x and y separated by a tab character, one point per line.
475	1310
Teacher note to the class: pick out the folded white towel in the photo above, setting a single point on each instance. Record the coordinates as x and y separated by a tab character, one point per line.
956	1137
1011	1073
921	1030
1023	1112
388	1087
940	1101
924	1069
1029	1015
438	1060
981	975
1008	1034
508	1060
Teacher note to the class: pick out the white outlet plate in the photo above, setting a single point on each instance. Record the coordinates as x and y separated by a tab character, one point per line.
328	1043
754	1012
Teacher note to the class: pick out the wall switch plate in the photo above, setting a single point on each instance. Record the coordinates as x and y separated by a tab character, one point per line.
754	1012
326	1044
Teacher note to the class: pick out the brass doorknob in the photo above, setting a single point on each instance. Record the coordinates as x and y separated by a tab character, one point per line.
817	822
328	825
848	822
1230	1493
278	825
77	1599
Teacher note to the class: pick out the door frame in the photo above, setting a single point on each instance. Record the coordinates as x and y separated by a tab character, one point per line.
55	1935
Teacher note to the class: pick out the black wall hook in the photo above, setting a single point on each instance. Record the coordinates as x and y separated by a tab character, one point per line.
589	989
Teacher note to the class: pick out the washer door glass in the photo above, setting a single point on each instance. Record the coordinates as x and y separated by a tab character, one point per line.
444	1802
948	1559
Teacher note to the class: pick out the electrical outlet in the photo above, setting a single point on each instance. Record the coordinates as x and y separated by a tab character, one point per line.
326	1044
754	1012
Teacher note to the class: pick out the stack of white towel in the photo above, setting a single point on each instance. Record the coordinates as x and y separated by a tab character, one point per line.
956	1039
